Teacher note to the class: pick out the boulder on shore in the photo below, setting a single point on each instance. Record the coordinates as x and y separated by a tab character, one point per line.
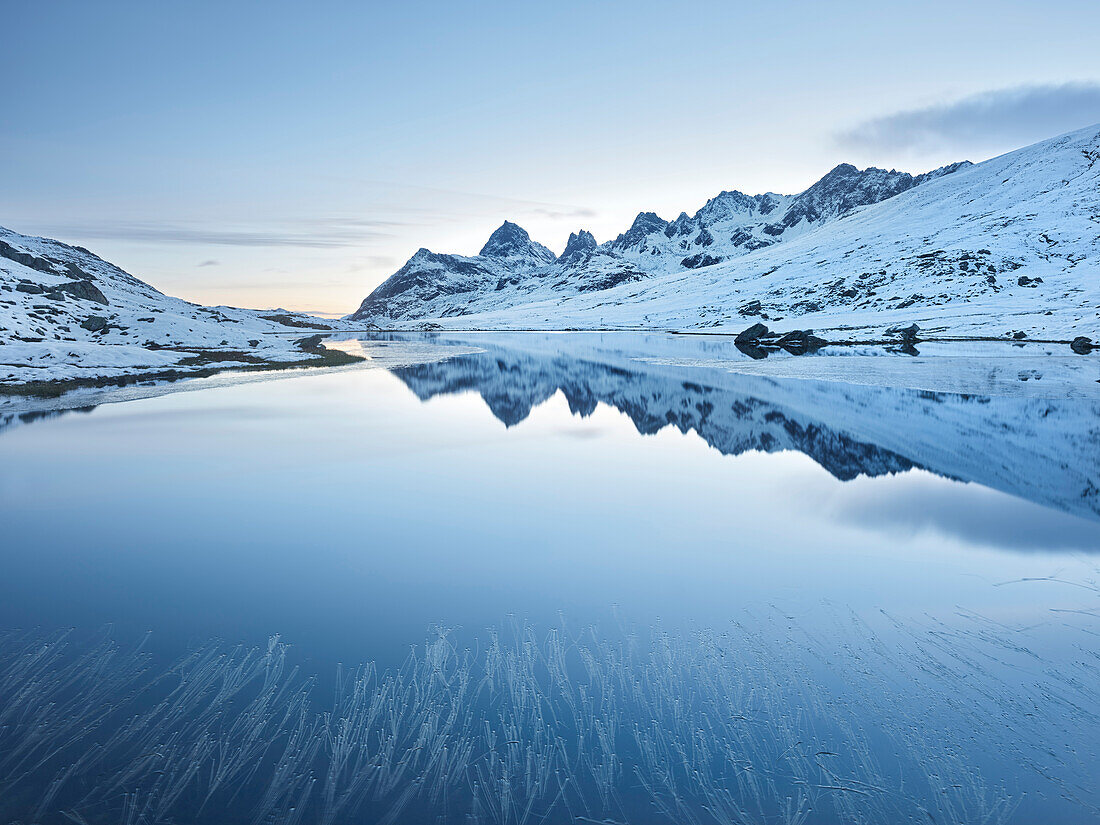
908	333
311	343
1082	345
751	335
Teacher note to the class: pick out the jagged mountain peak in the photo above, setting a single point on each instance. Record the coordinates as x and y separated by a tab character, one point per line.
644	224
580	242
512	241
842	189
836	264
842	170
732	204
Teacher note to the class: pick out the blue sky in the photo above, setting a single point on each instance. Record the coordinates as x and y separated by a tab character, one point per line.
266	154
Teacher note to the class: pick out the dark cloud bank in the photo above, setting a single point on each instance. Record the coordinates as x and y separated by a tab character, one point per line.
1003	118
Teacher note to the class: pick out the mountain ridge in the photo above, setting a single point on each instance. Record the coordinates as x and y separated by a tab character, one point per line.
510	249
1003	248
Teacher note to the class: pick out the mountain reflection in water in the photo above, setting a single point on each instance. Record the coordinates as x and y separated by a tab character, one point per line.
1046	450
629	629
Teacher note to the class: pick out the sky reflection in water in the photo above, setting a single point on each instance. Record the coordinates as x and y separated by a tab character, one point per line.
351	511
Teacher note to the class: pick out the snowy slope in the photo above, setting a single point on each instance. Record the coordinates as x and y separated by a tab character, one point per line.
1011	244
66	314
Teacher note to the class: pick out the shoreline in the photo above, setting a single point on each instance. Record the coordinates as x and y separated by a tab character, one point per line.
205	360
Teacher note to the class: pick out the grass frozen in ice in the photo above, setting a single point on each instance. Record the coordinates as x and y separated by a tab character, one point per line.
769	724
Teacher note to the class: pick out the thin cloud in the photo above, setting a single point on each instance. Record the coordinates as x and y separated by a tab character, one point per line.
210	263
559	214
465	201
323	237
1001	117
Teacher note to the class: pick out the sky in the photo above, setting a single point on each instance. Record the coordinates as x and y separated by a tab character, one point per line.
284	154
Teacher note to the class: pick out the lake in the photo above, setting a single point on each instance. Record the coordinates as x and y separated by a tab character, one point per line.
527	578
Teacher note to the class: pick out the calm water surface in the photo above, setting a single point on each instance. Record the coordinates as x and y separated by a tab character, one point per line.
599	577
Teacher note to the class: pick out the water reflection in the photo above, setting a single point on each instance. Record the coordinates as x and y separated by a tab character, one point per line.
11	419
745	640
1046	450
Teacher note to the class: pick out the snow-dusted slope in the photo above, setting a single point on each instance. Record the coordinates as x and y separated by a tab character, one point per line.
66	314
1008	245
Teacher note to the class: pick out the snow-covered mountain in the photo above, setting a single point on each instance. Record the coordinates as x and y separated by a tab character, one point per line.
1008	245
68	315
729	225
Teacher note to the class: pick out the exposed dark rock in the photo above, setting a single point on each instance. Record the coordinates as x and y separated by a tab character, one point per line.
26	259
94	323
751	335
699	260
291	321
84	290
908	333
29	288
311	343
1023	280
1082	345
751	308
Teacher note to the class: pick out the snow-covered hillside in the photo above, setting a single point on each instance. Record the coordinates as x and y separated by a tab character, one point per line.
1006	246
67	315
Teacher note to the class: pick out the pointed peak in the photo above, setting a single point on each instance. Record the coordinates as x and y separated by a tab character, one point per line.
648	221
645	224
842	169
581	243
512	241
727	204
421	256
507	234
582	240
683	225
